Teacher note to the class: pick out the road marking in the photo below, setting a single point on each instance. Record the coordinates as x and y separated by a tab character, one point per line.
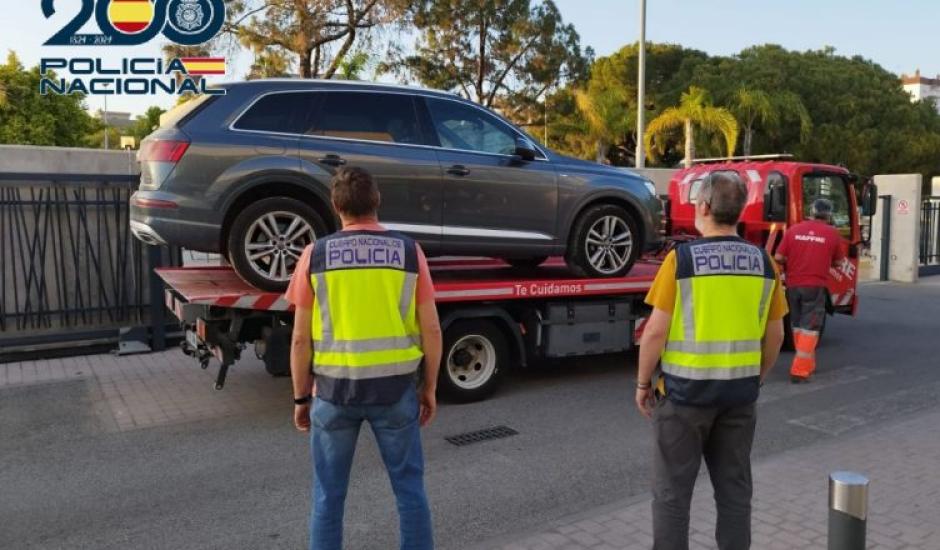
823	379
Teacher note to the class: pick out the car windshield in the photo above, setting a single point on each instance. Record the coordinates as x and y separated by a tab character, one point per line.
833	188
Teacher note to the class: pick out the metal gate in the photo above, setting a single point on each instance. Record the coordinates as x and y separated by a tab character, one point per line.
930	234
71	270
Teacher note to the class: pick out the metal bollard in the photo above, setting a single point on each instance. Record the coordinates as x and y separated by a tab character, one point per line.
848	510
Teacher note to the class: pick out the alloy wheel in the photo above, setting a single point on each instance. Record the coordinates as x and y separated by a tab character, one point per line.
609	244
274	243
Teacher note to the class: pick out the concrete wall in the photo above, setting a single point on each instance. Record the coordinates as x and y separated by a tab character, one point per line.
904	237
66	160
660	177
935	186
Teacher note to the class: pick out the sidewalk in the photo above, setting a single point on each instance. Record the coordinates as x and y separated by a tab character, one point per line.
790	499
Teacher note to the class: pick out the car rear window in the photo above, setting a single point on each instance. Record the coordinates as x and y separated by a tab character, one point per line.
369	116
184	111
279	112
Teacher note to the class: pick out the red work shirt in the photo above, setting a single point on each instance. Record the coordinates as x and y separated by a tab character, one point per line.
810	249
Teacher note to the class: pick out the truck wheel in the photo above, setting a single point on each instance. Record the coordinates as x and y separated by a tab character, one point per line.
604	242
475	353
276	355
267	238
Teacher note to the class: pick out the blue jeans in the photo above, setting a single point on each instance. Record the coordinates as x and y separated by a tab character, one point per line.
335	432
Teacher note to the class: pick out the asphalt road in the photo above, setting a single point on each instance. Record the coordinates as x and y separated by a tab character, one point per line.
68	480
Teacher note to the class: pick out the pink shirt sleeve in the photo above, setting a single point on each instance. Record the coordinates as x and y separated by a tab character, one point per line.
424	290
300	293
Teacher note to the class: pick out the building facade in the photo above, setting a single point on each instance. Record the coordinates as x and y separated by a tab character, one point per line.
921	87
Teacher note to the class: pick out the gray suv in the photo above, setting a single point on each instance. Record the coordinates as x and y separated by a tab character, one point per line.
247	174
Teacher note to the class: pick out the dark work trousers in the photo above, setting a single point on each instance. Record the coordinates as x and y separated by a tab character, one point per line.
685	434
807	307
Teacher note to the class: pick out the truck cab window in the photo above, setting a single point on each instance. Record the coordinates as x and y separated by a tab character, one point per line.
834	188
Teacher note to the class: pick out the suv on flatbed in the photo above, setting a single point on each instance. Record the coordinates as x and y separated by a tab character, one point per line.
247	174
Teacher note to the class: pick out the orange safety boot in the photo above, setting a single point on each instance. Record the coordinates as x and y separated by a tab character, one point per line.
804	361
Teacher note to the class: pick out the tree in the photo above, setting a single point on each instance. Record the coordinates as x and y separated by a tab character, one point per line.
753	106
146	123
317	35
499	53
30	118
695	109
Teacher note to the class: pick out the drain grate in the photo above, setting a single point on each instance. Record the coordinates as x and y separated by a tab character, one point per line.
498	432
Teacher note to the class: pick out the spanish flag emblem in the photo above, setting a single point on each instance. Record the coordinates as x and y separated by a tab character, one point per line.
130	16
203	65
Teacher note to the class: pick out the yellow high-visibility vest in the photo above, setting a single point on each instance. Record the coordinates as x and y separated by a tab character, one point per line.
364	323
713	351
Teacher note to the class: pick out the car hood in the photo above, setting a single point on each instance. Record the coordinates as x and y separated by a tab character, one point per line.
580	165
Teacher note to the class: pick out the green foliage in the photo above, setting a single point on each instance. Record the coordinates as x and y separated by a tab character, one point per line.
316	36
146	123
29	118
695	110
499	53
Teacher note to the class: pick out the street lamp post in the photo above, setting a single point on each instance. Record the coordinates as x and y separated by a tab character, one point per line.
105	116
641	90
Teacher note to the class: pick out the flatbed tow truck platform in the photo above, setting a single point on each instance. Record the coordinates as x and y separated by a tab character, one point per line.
492	315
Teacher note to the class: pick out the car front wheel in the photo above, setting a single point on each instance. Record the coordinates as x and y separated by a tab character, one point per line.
267	238
604	243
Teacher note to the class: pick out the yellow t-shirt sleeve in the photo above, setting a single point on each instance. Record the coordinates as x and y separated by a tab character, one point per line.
778	302
662	295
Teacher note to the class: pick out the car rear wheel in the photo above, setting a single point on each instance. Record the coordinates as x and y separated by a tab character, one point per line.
604	243
267	238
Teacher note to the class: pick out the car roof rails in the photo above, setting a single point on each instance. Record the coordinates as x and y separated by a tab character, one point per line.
775	156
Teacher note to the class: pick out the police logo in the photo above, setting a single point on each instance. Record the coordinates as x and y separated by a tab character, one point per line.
189	15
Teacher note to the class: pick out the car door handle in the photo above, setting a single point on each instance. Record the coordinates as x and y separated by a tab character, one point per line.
332	160
458	170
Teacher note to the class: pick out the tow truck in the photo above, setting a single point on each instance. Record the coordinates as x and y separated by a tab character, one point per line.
494	315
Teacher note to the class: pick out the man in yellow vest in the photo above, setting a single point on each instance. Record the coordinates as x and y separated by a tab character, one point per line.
364	300
716	327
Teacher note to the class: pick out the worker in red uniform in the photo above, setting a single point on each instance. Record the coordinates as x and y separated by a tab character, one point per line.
809	249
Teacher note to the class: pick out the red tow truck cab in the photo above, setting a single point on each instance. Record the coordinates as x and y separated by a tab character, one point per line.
780	194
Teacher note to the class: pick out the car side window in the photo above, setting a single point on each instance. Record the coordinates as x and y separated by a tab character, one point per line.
369	116
280	112
460	126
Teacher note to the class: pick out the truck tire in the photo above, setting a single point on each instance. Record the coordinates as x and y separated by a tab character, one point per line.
475	354
266	240
276	356
605	242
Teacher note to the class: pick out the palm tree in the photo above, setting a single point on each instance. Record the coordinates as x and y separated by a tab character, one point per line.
607	116
752	107
695	109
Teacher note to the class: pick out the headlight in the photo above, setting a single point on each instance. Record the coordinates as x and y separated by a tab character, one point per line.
650	187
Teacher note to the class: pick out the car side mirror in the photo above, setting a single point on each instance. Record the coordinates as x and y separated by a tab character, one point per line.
869	199
775	198
525	149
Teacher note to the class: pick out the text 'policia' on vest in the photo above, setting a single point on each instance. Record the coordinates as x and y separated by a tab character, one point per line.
366	340
713	351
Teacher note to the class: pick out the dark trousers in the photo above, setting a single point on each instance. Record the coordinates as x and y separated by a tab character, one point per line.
807	306
684	435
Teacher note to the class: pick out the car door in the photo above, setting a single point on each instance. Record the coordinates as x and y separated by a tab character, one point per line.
379	131
493	201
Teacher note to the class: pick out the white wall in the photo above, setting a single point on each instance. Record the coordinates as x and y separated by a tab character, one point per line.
904	238
66	160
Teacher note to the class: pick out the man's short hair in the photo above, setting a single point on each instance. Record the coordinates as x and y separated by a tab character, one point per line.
726	194
354	192
822	209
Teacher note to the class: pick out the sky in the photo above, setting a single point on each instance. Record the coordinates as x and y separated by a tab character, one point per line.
900	35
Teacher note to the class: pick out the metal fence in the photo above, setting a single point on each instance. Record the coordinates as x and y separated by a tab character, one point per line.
930	232
71	270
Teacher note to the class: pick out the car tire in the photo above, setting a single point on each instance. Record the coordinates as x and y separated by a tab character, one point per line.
605	242
475	355
276	357
526	263
260	246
